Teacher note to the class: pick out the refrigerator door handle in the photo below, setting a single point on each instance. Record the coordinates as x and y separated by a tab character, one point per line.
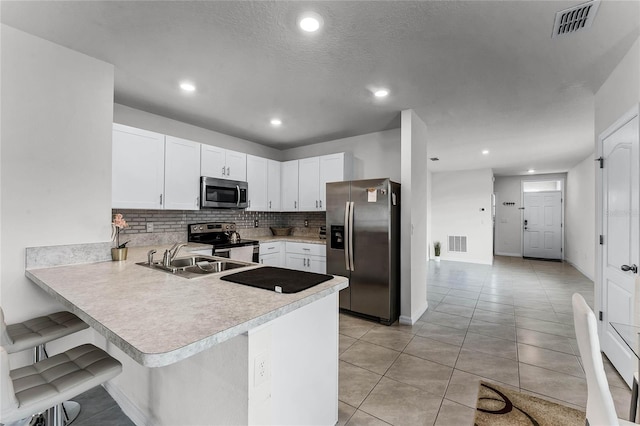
352	266
346	236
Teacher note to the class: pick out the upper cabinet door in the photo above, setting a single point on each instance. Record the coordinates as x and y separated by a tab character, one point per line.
309	189
332	169
289	186
236	165
257	180
212	161
137	168
182	174
273	185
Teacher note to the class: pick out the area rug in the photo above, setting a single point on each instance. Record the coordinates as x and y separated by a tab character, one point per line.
498	406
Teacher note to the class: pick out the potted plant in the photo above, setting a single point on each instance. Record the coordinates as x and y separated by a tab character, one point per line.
436	250
119	252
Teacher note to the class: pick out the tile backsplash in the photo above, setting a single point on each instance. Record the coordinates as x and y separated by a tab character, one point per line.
168	226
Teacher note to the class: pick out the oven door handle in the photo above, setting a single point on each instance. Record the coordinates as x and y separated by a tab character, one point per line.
238	189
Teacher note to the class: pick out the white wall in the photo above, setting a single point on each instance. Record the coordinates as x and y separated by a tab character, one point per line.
375	155
579	232
57	109
508	238
413	263
457	202
144	120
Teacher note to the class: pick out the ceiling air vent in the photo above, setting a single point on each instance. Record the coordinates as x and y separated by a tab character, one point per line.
575	18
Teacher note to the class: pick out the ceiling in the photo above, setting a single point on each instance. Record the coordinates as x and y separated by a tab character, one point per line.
481	74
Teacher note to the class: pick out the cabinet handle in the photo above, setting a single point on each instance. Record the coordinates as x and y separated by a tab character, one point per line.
271	248
249	204
160	199
320	203
261	260
295	204
269	205
197	201
228	171
316	204
306	249
223	168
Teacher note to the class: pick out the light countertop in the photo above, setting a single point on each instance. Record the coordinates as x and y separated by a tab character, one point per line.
158	318
291	238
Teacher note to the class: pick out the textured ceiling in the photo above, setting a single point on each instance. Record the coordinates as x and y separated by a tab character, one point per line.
482	75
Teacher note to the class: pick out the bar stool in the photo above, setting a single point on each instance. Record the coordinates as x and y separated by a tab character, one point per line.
46	384
35	333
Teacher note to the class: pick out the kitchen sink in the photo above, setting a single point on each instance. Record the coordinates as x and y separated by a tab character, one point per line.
196	266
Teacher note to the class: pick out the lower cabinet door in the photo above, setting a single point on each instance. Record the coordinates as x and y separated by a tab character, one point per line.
296	261
271	259
317	264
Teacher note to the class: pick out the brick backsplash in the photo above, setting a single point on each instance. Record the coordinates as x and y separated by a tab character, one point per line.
171	221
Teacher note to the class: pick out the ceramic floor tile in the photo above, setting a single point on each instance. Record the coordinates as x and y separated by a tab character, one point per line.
545	326
400	404
495	317
504	300
441	333
613	377
495	307
621	400
485	365
433	350
406	328
463	387
491	345
345	411
549	359
420	373
345	342
360	418
93	402
369	356
463	311
354	327
564	387
388	337
544	340
355	383
448	320
460	301
109	417
494	330
454	414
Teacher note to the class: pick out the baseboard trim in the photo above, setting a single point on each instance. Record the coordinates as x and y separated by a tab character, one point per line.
508	254
579	269
415	316
128	407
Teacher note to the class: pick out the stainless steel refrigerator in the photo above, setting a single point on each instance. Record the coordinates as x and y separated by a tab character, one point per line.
363	223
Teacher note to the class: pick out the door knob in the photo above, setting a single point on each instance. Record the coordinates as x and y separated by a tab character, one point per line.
633	268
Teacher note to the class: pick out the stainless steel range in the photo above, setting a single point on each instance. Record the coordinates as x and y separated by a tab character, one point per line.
225	240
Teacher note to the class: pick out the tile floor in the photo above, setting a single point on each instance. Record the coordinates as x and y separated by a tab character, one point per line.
510	323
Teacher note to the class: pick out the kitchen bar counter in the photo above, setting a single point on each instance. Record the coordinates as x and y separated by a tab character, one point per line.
222	353
158	318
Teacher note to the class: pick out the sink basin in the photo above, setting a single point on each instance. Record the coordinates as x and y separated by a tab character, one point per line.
195	266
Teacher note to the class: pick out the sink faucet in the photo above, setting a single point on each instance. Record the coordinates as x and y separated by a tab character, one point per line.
150	254
172	253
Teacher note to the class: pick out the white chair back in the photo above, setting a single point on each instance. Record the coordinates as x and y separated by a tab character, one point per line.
600	408
5	339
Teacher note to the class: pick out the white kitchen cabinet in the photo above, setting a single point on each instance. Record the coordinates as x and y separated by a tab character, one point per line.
333	168
257	180
306	257
272	253
315	172
309	187
289	193
273	185
137	179
182	174
223	163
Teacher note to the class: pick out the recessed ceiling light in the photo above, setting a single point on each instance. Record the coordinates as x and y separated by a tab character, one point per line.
485	152
381	93
310	22
531	171
276	122
187	87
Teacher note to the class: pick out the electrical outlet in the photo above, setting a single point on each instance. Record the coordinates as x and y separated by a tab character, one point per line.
149	226
306	223
260	369
255	223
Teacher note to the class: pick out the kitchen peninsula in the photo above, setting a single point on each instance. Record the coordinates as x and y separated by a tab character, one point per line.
207	351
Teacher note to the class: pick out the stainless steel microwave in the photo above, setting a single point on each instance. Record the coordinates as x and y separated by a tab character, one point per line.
222	193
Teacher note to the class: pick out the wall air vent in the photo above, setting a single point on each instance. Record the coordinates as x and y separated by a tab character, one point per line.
457	243
575	18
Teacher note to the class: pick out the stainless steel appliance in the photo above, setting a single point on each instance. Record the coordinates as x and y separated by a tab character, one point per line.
224	237
222	193
363	222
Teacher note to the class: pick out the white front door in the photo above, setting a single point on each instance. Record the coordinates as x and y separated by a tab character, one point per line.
542	230
620	229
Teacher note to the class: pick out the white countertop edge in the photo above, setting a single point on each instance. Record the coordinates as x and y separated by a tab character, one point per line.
167	358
